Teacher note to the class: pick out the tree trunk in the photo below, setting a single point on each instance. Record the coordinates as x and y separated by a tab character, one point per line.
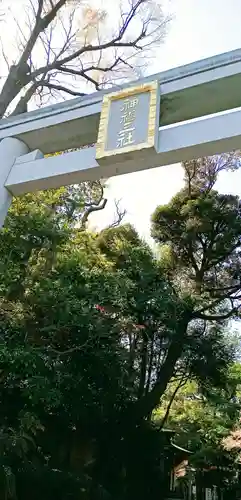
143	367
144	406
16	80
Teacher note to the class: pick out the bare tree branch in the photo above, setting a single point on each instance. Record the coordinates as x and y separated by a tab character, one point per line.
94	54
22	105
92	209
94	206
61	88
115	42
119	215
82	73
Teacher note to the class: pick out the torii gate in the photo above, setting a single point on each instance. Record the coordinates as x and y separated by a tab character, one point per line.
180	114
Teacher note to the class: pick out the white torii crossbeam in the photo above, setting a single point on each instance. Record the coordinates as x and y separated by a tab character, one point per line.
180	114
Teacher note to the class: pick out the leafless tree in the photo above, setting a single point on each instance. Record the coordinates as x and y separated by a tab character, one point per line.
71	47
54	49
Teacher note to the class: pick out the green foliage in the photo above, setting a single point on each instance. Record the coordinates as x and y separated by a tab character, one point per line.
73	305
93	330
201	420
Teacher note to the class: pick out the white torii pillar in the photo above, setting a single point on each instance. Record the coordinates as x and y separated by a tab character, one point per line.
199	115
10	150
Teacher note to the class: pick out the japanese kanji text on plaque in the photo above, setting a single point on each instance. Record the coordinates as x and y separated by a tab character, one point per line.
128	121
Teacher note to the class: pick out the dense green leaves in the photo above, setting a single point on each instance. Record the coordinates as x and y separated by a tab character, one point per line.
95	327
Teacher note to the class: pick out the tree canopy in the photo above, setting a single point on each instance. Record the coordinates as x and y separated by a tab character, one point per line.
95	328
97	331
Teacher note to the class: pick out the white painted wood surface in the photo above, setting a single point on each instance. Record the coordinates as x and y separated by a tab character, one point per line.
208	86
10	149
205	136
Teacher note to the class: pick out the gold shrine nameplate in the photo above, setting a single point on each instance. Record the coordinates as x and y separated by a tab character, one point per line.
129	124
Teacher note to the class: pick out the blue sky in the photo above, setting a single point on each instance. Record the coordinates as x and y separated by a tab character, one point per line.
201	28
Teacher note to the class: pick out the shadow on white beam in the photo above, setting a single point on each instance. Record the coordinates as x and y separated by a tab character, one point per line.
202	87
205	136
53	172
208	135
